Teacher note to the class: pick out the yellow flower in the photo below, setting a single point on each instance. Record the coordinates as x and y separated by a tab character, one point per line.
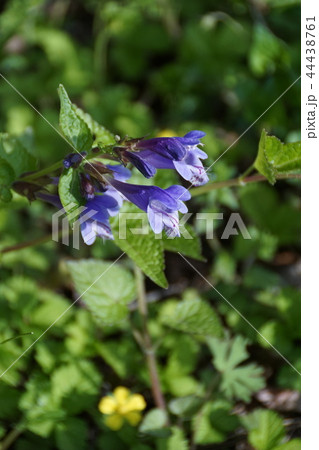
120	406
166	133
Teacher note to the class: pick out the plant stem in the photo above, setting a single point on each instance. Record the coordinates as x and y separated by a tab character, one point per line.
22	245
238	182
54	167
31	243
147	342
247	172
10	438
41	173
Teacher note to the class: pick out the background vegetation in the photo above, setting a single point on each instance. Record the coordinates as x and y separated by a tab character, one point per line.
144	67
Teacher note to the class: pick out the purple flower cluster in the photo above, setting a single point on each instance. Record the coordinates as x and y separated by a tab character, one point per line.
104	186
180	153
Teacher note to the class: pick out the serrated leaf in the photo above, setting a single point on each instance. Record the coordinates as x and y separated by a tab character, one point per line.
106	287
188	247
102	136
237	382
16	155
228	353
144	249
73	126
70	194
265	429
41	408
275	158
178	440
80	376
242	382
213	422
154	423
195	316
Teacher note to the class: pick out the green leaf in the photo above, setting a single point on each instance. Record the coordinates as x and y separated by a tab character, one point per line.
70	194
195	316
9	401
284	225
106	287
183	356
265	429
154	423
237	382
275	158
102	136
5	194
16	155
80	380
6	172
73	126
51	307
267	51
185	406
41	408
213	422
177	441
144	249
294	444
122	355
71	434
188	247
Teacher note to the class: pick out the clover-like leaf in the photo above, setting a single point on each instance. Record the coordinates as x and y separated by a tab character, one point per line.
238	382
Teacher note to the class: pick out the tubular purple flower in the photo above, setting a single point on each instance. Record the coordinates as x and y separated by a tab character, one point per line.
180	153
120	172
161	205
148	170
94	220
53	199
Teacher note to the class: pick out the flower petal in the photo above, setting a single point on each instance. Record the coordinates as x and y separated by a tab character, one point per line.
155	220
107	405
179	192
114	422
121	394
133	417
147	169
137	402
119	171
195	134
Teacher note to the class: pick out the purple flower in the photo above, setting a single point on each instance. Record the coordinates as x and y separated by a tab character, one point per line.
148	170
53	199
180	153
120	172
94	220
161	205
73	159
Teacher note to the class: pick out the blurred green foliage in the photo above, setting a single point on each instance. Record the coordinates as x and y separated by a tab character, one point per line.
140	67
